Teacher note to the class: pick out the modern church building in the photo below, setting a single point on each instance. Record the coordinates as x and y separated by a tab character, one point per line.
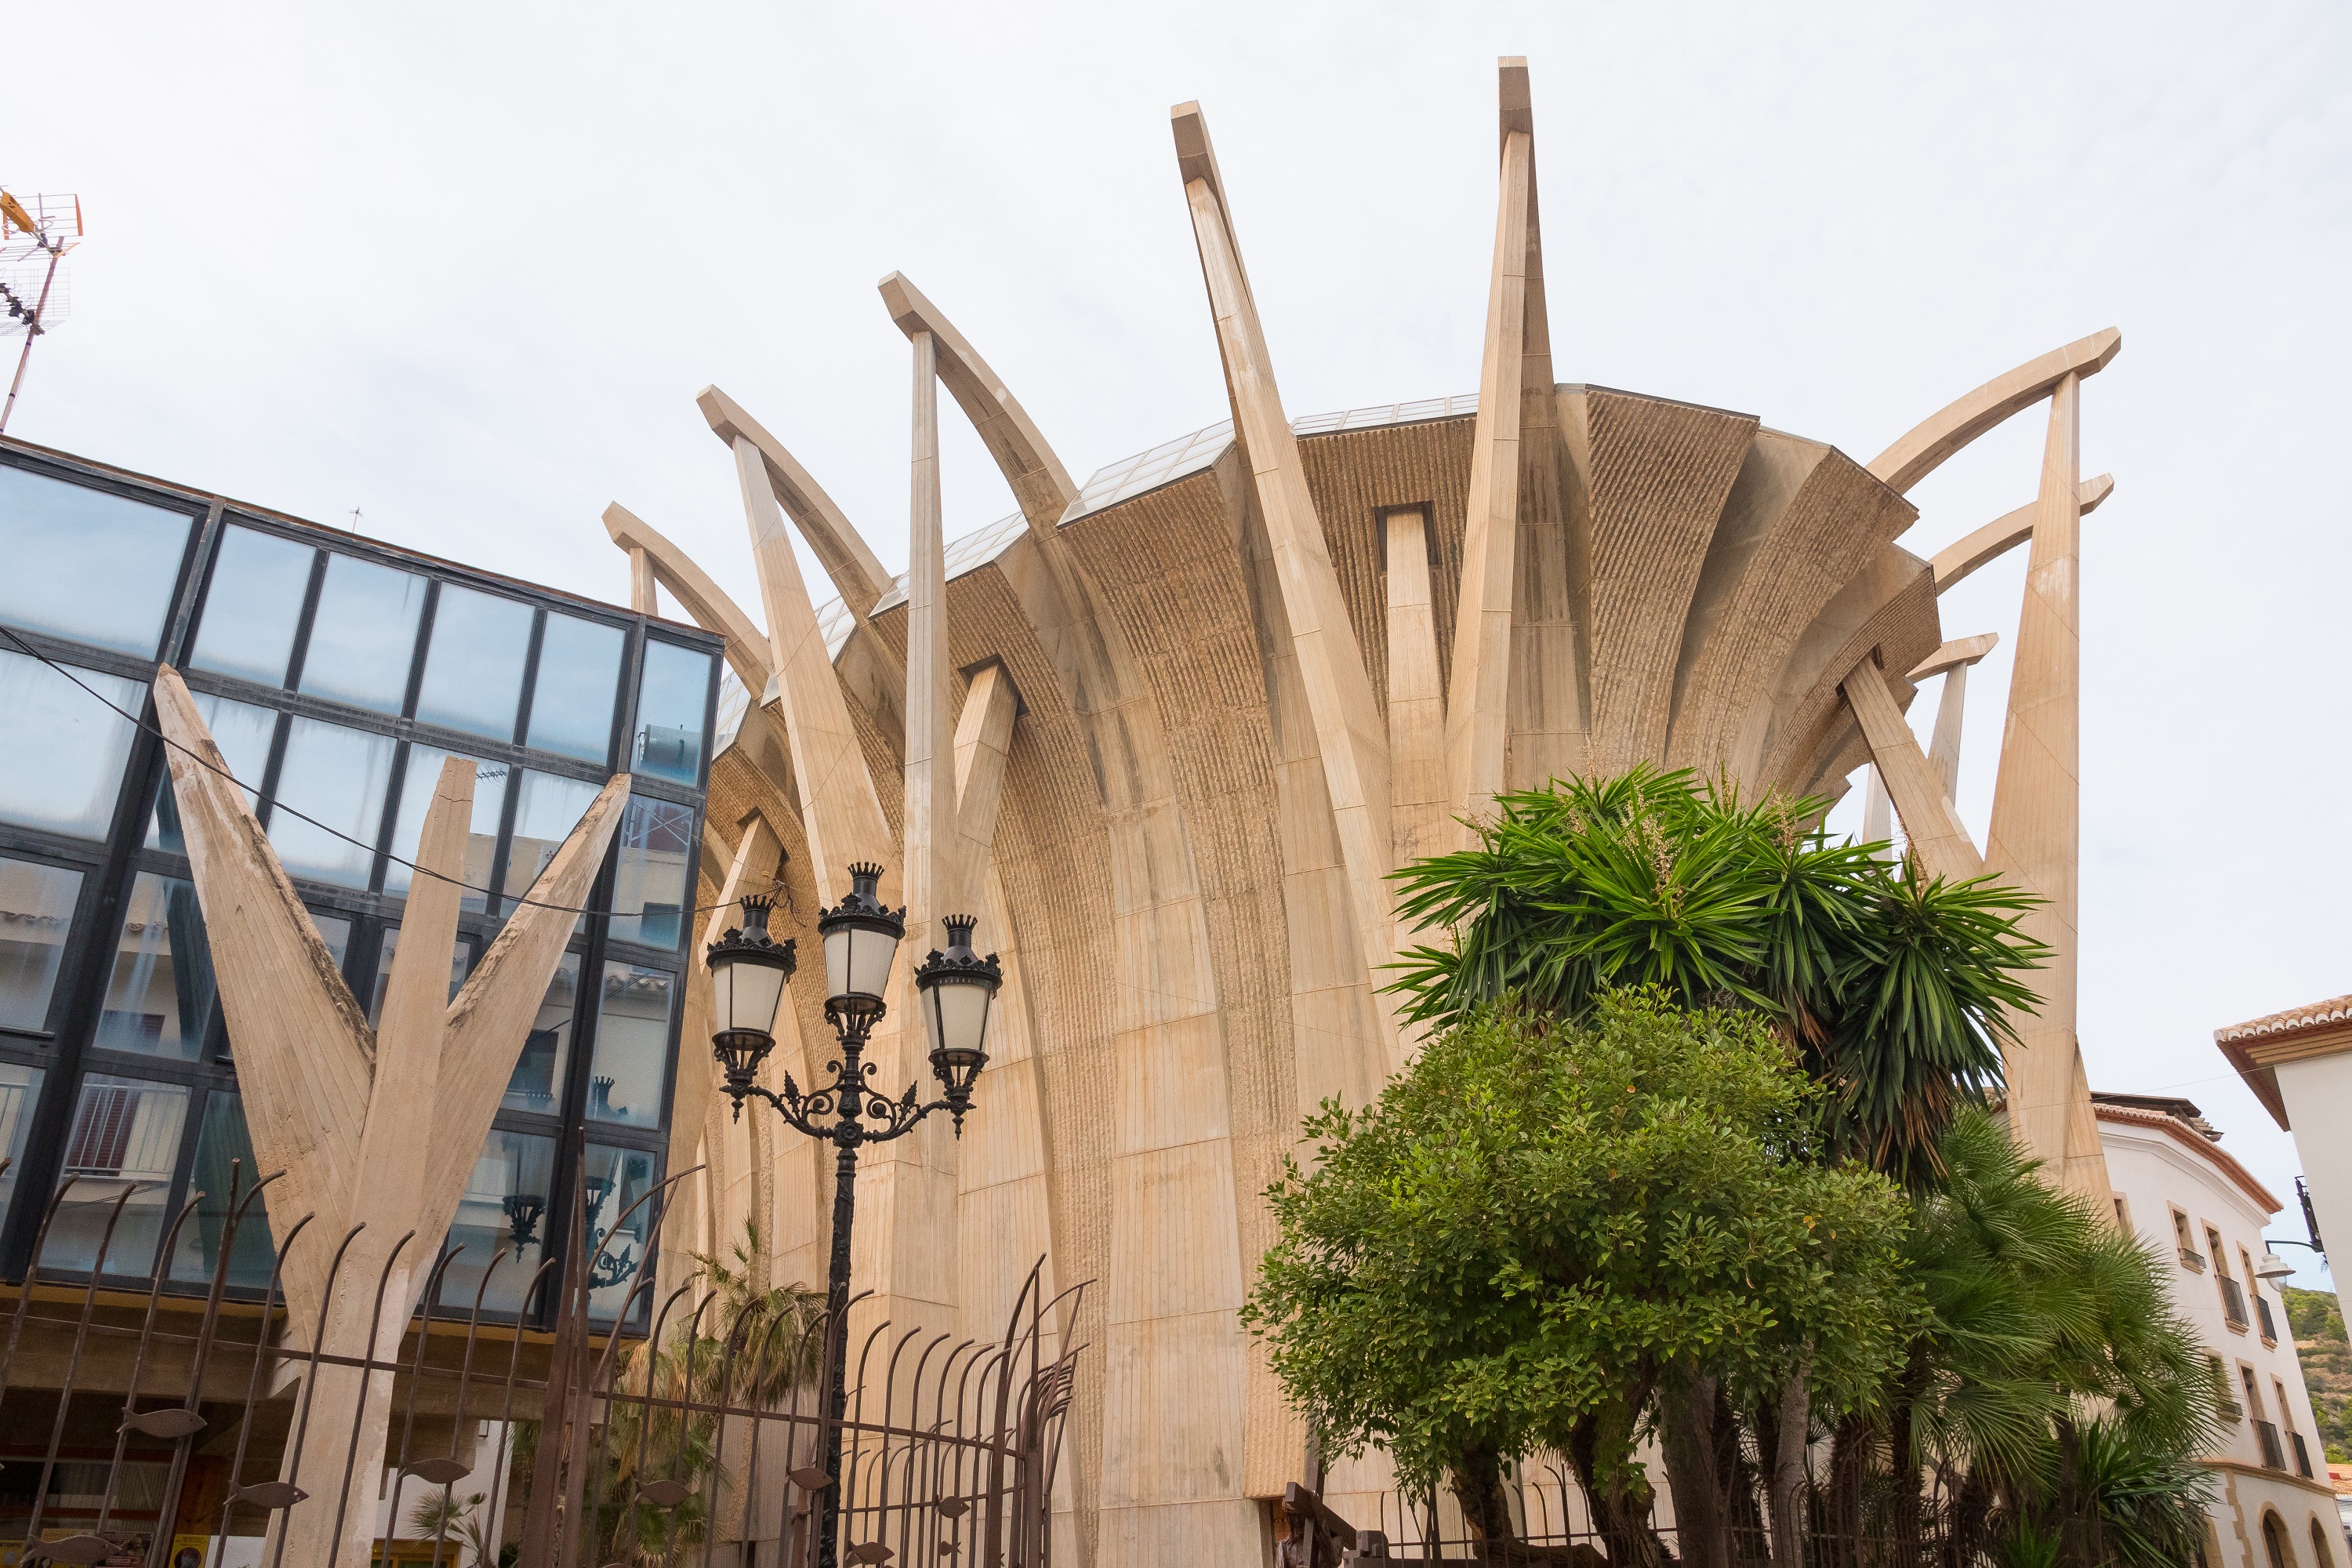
1165	734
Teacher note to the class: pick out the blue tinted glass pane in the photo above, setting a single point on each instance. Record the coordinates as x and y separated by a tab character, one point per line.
501	1223
159	998
66	750
672	699
650	892
546	811
253	605
20	1088
417	798
461	963
538	1082
125	1131
473	671
579	672
625	1077
365	635
619	1241
37	906
85	564
223	1174
243	733
336	776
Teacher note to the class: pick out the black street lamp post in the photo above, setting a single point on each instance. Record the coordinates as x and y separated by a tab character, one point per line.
749	972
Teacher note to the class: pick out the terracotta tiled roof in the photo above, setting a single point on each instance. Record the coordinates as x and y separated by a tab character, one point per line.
2336	1009
2193	1138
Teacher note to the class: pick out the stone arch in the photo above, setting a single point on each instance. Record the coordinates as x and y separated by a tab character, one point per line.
2278	1546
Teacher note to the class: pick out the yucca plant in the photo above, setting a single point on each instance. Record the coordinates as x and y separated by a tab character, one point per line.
1894	989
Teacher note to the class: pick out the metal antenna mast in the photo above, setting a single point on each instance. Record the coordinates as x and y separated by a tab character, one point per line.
36	232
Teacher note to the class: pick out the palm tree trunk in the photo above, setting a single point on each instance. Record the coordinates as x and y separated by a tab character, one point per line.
2074	1537
1905	1470
1789	1468
1849	1466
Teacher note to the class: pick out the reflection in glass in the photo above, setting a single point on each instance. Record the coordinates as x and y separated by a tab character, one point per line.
365	635
223	1174
501	1224
473	670
159	999
337	776
546	811
625	1075
619	1242
461	964
20	1091
86	564
243	733
579	674
336	933
125	1129
673	696
538	1082
36	906
65	749
649	887
253	607
416	787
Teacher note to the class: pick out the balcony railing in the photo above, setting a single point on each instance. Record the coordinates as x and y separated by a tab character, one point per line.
2233	1302
2274	1456
2301	1455
2269	1327
2231	1411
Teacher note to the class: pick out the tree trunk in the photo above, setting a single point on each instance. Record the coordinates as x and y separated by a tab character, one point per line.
1788	1468
1621	1500
2073	1533
1687	1417
1903	1463
1478	1477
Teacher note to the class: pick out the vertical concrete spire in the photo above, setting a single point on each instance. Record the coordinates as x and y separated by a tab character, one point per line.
1515	401
2035	841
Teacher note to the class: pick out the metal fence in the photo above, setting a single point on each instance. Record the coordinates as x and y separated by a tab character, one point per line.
147	1425
1403	1529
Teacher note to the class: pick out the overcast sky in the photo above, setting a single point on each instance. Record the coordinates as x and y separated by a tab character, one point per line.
463	268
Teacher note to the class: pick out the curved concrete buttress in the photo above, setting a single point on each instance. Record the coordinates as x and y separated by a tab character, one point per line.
857	575
1956	562
874	682
1924	449
1800	518
1040	484
697	594
1206	1084
1808	736
1954	654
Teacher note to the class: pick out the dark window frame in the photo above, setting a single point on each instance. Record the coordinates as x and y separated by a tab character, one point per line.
111	866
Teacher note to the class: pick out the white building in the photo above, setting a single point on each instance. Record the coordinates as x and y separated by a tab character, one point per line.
2299	1065
2182	1193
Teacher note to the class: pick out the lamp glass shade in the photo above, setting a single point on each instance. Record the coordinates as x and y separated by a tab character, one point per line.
2270	1266
955	1012
745	992
857	959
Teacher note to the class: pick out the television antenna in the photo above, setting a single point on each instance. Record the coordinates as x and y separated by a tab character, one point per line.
36	232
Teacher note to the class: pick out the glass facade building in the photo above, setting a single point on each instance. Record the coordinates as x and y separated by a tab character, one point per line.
337	674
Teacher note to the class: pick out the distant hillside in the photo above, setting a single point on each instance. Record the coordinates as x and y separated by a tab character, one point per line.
2326	1356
